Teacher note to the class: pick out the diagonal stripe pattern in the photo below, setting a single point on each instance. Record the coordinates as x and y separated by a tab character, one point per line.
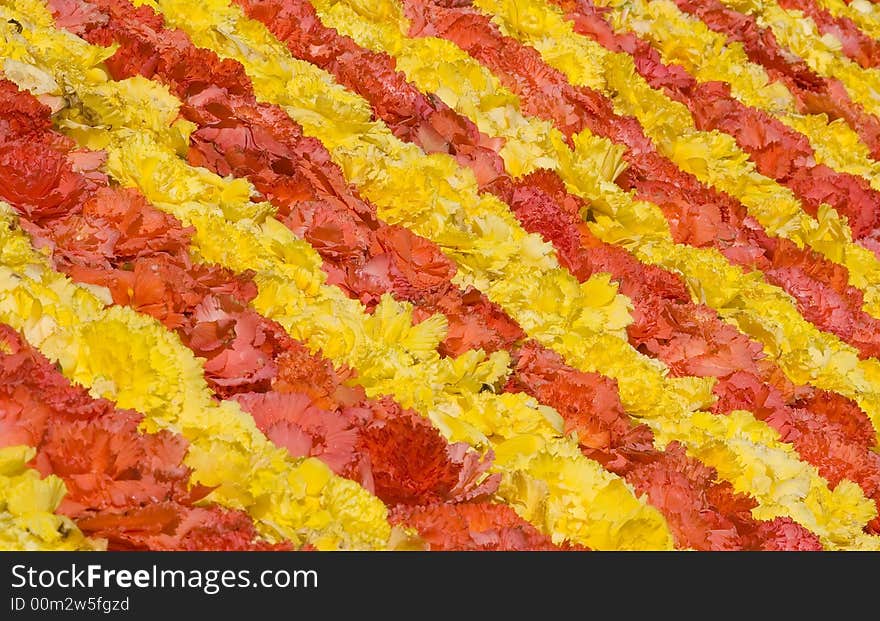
535	317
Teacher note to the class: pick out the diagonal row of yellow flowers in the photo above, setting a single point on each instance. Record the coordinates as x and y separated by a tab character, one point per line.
709	56
822	53
864	14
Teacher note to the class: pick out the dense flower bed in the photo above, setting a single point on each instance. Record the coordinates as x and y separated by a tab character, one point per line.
439	274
